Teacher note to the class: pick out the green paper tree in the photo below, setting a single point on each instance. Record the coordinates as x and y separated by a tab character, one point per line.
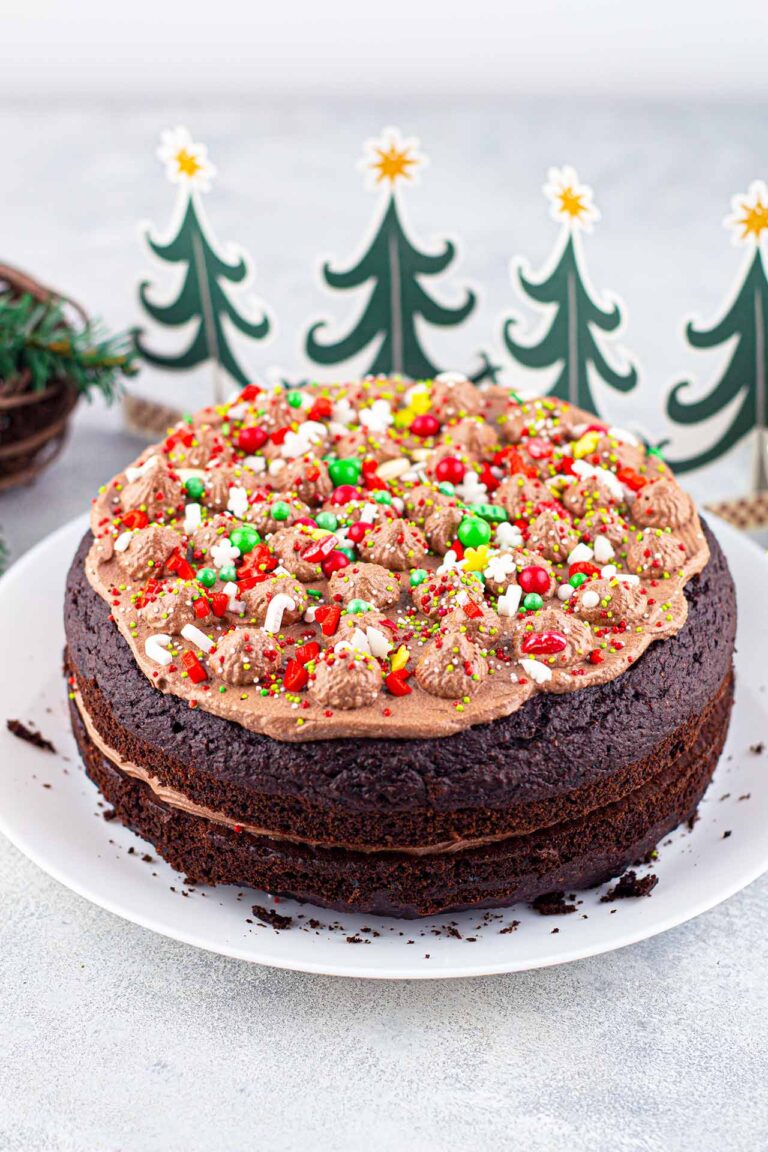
393	265
745	321
489	370
202	297
572	339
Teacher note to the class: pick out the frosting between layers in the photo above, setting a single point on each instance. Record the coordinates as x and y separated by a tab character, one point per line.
554	478
177	800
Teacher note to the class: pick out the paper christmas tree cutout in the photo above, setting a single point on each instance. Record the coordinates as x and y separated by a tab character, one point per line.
393	266
202	298
572	338
745	321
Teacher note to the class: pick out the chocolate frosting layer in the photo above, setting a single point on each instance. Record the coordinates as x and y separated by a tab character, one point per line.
179	574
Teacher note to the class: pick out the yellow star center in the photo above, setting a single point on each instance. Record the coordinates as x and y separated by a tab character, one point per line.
753	220
187	164
572	203
392	164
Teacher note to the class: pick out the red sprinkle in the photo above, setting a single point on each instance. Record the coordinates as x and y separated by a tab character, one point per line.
395	683
194	668
296	676
328	616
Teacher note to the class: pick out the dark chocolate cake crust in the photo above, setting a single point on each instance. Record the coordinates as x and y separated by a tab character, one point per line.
575	853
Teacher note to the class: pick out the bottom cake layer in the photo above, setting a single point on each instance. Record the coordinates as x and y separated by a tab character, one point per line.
571	854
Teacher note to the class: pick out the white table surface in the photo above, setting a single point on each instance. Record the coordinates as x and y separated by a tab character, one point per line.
114	1039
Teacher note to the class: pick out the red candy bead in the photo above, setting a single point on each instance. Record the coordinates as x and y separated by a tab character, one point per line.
344	493
544	643
252	438
425	425
534	579
250	392
307	521
450	468
356	531
334	563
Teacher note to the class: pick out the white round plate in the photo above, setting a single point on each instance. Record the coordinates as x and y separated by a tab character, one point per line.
48	809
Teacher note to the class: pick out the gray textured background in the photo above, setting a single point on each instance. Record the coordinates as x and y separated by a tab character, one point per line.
115	1039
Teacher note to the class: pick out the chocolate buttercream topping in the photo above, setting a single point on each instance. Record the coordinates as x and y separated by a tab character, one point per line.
307	571
371	583
452	666
345	679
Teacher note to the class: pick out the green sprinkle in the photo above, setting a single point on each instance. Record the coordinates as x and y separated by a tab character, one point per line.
194	487
281	510
356	606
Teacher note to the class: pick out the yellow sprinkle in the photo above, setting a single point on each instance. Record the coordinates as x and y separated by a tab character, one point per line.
400	658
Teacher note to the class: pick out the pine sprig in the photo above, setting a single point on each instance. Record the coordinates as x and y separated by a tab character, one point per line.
38	338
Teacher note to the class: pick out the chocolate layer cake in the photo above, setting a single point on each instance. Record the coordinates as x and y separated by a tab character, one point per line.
399	648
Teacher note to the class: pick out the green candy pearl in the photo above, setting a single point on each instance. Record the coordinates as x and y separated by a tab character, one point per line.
474	532
418	576
355	607
344	471
280	510
295	399
327	520
228	572
447	488
348	550
577	580
381	497
491	512
532	602
194	487
207	577
244	538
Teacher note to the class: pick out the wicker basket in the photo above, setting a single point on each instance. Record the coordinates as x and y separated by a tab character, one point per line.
33	425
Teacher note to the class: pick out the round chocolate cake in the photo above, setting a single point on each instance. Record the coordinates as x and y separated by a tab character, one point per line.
399	648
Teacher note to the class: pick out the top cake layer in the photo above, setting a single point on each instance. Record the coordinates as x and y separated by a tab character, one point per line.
390	559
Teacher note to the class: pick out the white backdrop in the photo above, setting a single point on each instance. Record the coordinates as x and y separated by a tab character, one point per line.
659	48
